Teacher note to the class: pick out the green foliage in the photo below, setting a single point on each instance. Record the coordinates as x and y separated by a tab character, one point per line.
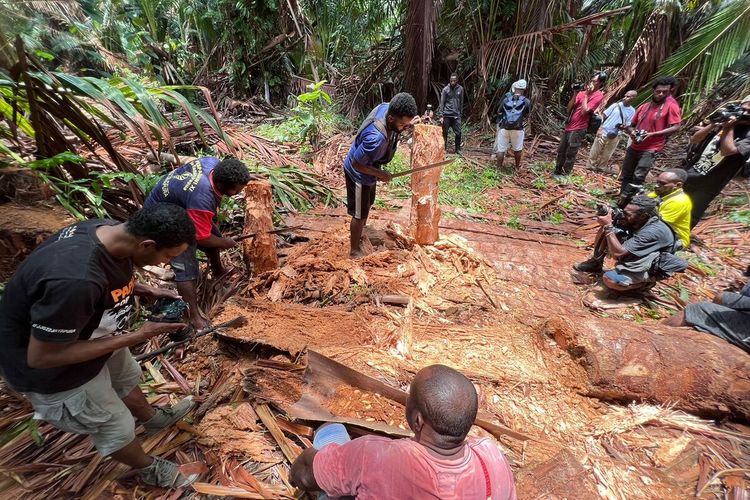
461	184
716	45
556	218
312	119
539	183
742	216
514	223
294	189
312	110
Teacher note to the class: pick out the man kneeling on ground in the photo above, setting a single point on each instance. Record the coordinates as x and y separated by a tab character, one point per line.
438	462
636	240
62	343
727	317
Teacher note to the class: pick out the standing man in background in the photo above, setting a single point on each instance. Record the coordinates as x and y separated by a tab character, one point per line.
617	118
511	122
580	108
449	112
652	123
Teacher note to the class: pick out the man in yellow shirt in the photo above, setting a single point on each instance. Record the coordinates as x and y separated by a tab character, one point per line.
675	205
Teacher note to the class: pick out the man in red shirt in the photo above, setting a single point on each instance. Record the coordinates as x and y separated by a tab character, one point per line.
652	123
438	462
582	106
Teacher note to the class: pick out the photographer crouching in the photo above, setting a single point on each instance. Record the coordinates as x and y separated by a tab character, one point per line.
726	141
640	242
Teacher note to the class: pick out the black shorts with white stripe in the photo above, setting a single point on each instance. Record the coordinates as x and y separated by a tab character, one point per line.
359	198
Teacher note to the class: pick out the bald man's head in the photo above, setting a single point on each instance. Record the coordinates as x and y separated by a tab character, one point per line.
670	180
443	399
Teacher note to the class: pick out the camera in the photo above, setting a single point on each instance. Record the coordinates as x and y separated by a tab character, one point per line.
640	136
602	210
728	112
171	311
578	86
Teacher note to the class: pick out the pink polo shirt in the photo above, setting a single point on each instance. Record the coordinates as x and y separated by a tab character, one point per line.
373	467
580	118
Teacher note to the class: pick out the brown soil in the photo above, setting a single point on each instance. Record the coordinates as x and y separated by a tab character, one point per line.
22	228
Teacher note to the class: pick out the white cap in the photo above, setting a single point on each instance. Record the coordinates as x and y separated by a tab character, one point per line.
520	85
746	99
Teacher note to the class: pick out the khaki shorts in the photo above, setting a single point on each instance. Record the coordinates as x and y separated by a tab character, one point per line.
95	408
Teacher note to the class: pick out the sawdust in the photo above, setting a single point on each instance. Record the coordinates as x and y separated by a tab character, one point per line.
233	430
293	328
347	401
281	388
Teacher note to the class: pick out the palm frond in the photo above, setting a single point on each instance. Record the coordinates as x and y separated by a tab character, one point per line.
517	54
715	46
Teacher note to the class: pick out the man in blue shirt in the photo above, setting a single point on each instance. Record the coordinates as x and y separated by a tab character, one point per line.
616	118
199	187
374	146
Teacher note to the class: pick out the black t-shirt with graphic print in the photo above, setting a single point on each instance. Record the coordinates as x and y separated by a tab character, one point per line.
70	288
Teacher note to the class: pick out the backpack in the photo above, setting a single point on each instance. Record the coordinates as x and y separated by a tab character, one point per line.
667	263
392	139
513	112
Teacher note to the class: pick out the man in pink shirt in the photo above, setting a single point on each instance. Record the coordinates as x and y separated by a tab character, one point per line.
582	106
652	123
438	462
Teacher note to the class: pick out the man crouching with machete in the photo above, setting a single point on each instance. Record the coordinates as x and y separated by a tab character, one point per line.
374	146
62	339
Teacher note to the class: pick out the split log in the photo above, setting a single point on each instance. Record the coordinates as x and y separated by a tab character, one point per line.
259	251
694	371
428	147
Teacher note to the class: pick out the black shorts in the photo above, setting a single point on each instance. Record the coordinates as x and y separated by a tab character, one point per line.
359	198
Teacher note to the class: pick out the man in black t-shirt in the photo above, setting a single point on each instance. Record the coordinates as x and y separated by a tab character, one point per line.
720	162
60	319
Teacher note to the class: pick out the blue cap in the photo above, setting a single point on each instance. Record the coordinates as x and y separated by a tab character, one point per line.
330	433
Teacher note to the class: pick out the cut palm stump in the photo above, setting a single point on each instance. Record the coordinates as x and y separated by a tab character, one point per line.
428	148
260	250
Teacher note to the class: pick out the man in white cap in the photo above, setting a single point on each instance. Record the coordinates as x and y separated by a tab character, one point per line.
616	118
721	160
511	117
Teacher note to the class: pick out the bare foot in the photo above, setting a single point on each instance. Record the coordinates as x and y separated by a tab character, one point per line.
199	322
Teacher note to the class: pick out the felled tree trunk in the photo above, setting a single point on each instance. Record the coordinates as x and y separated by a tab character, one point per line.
695	371
259	251
428	147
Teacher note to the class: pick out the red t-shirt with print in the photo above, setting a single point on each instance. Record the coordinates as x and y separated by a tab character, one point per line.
653	117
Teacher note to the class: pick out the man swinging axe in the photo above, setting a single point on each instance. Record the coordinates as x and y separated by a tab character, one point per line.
373	147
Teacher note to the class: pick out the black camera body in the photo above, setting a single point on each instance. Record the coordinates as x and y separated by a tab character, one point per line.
728	112
171	311
578	86
617	213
